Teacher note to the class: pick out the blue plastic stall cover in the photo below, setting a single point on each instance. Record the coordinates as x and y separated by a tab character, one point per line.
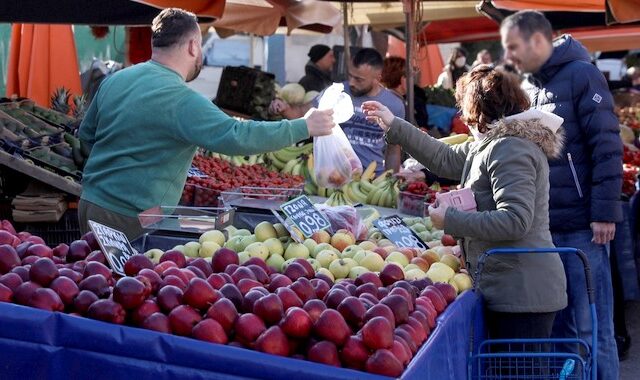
36	344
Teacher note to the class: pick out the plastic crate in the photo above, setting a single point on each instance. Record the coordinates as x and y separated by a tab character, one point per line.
66	230
411	204
199	196
238	89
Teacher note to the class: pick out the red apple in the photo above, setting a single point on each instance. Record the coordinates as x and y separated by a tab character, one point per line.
320	287
401	351
169	297
11	281
36	239
143	311
6	237
405	294
296	323
421	283
390	274
61	250
30	260
65	288
325	278
248	327
307	266
95	267
241	273
411	290
381	310
6	295
421	334
97	256
230	269
209	330
377	333
148	286
372	299
383	362
324	352
367	288
257	261
203	265
334	297
43	271
153	278
90	238
136	263
447	290
422	318
173	281
163	266
24	291
176	256
368	277
399	306
295	270
8	258
269	308
224	312
46	299
97	284
78	250
157	322
430	312
273	341
353	310
223	258
435	297
246	284
448	240
332	327
188	274
407	338
412	333
107	311
279	281
83	300
200	295
382	292
178	273
21	271
232	292
261	274
129	292
354	353
182	319
21	249
216	280
314	308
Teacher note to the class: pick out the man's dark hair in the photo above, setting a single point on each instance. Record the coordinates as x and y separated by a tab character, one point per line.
528	23
172	27
368	56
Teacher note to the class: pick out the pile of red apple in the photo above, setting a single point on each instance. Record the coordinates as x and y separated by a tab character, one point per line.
374	323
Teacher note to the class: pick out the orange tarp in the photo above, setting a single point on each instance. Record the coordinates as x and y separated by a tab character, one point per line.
551	5
429	60
210	8
625	10
608	39
42	58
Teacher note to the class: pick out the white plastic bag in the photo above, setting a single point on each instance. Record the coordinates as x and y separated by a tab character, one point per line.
335	162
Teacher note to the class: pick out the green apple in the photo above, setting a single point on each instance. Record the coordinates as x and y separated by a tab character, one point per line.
462	282
325	257
410	267
154	254
296	250
276	262
243	257
285	264
258	250
439	272
398	257
310	244
339	268
265	230
326	272
424	235
384	243
414	274
357	271
376	236
230	230
275	246
314	264
208	248
234	243
242	232
281	230
351	251
191	249
419	227
372	261
214	236
368	245
179	248
427	222
437	234
360	255
321	247
246	241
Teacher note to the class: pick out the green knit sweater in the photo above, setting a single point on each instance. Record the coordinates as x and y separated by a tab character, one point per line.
145	124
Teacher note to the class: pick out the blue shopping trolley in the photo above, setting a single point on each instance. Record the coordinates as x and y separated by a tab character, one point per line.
516	359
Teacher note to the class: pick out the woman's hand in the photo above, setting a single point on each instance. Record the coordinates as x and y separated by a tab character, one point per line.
378	113
437	215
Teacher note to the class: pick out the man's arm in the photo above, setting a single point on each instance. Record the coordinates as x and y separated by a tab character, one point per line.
600	126
87	130
288	111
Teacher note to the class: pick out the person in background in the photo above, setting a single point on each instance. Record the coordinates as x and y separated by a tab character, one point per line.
483	58
144	126
506	168
394	78
586	180
454	69
366	138
318	70
634	76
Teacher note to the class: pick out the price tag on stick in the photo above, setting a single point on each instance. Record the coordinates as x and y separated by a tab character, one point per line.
114	244
305	216
398	232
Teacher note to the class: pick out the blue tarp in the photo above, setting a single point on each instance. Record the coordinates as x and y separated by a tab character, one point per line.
36	344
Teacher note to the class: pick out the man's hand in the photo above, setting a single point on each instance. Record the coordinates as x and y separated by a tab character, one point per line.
603	232
278	107
319	123
437	215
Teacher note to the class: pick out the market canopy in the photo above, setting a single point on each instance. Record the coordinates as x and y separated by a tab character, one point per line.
263	17
102	12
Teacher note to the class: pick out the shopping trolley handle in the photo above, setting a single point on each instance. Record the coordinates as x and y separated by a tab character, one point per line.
559	250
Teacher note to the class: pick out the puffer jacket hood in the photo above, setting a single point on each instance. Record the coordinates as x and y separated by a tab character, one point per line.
566	49
533	130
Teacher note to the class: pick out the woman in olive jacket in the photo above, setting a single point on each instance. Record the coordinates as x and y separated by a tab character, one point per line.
506	168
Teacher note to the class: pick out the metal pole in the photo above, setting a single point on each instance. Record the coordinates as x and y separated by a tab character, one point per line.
345	31
408	8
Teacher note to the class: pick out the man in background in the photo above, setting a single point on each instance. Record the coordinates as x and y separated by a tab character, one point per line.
318	70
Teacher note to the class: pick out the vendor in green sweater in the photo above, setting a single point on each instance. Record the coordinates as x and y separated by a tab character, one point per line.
145	124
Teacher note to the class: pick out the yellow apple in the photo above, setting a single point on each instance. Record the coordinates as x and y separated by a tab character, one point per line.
179	248
410	267
258	250
351	251
296	250
314	264
439	272
372	261
360	255
462	281
208	248
326	272
414	274
234	243
321	236
265	230
452	261
321	247
214	236
246	241
325	257
339	268
310	244
281	230
191	249
397	257
243	257
342	239
274	245
357	271
384	242
242	232
154	254
368	245
430	256
276	262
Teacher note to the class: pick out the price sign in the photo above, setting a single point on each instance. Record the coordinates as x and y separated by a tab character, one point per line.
306	217
114	244
195	172
398	232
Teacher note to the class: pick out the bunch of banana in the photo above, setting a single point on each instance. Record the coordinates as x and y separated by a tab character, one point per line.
295	166
455	139
338	199
384	192
310	186
325	191
238	160
280	158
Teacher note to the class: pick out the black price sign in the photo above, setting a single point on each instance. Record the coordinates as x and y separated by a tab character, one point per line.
302	213
114	244
398	232
195	172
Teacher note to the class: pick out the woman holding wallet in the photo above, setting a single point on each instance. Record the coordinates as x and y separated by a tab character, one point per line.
506	168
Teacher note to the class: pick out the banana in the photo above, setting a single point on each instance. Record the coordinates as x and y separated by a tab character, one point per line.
322	191
330	191
455	139
355	193
253	159
275	162
288	168
383	176
310	188
369	172
366	187
297	168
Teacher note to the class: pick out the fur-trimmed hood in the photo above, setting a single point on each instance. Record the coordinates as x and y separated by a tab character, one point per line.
533	130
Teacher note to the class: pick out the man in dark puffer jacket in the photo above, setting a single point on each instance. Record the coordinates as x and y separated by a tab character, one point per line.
586	181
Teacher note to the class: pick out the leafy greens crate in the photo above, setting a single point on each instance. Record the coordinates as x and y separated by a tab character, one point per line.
246	90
